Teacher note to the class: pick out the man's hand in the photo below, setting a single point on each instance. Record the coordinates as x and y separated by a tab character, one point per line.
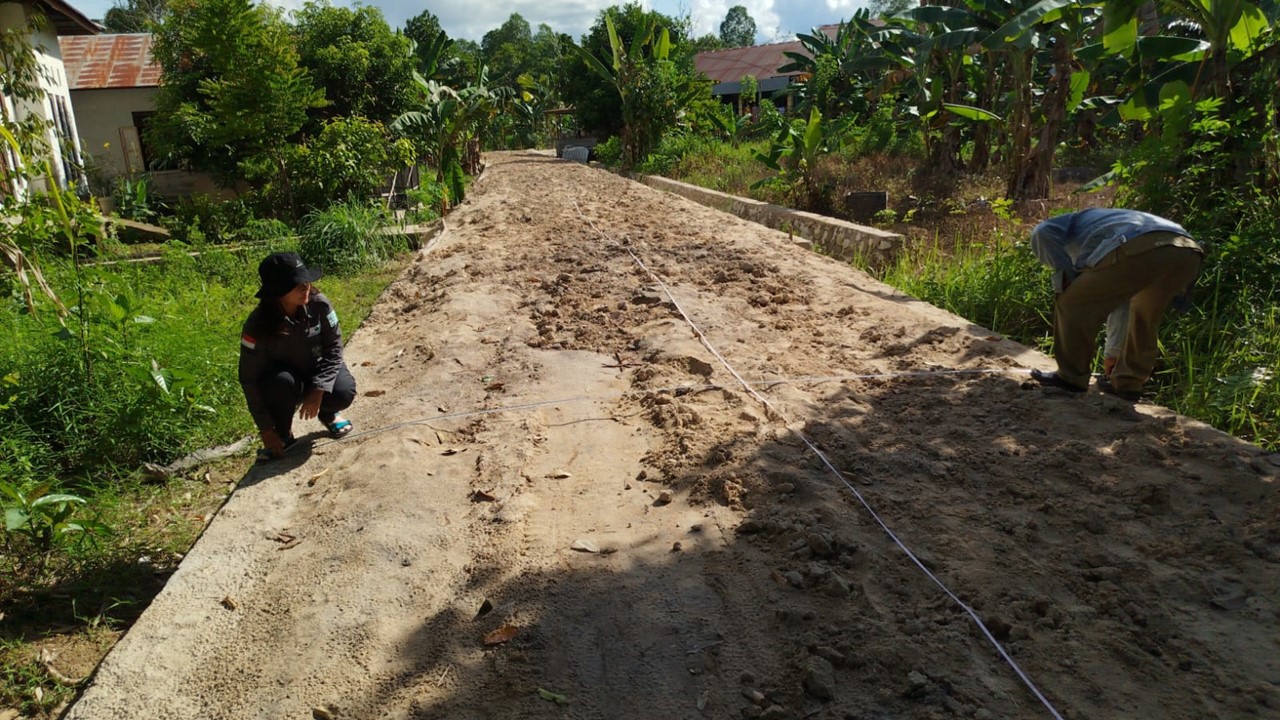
1108	364
311	404
272	441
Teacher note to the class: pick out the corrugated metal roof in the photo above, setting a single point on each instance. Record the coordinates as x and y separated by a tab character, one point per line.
760	61
98	62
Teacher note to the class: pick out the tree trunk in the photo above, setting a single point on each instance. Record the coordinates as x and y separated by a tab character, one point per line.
1032	179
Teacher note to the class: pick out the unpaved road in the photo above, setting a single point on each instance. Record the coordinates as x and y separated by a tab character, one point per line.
1127	559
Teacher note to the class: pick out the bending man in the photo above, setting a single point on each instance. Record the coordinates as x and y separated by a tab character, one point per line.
1124	263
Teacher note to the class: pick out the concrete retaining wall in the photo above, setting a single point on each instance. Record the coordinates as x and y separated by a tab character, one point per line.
838	238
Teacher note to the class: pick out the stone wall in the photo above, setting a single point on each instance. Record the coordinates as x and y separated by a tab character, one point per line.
837	238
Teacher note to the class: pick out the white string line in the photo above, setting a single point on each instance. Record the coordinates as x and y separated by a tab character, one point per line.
766	383
822	456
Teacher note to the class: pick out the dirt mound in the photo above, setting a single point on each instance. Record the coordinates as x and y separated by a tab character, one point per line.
560	503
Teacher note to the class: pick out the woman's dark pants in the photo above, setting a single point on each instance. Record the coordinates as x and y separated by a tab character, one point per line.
283	389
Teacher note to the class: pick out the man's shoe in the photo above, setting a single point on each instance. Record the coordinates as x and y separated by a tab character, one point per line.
1104	385
1051	379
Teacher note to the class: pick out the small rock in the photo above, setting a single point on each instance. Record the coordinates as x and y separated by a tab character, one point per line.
917	680
819	678
774	712
749	527
747	678
755	696
584	546
323	713
695	528
983	714
794	578
820	545
836	587
664	498
835	656
676	546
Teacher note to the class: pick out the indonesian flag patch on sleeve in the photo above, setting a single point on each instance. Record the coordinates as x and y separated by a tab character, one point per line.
247	341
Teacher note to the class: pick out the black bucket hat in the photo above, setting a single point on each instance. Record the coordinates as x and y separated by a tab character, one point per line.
282	272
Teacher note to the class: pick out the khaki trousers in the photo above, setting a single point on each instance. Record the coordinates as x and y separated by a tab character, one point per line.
1149	279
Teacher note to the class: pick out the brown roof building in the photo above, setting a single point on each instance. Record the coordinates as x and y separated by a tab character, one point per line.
726	68
101	62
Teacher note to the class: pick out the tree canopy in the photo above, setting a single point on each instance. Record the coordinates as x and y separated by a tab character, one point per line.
134	16
738	28
232	87
363	67
598	107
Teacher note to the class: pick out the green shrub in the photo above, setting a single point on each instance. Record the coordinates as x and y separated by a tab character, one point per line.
135	200
346	237
426	201
609	151
351	159
203	218
673	148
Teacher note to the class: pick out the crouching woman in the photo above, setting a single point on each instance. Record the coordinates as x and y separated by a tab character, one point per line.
291	356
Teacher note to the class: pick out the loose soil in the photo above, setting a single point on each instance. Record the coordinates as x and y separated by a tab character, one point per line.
527	389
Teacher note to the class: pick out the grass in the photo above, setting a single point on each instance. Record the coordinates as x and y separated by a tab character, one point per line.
91	433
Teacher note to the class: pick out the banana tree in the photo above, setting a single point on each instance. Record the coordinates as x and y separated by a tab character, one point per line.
1226	34
830	77
1038	44
794	156
653	94
445	127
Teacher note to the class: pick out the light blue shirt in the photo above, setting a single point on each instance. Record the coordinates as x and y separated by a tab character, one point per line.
1075	241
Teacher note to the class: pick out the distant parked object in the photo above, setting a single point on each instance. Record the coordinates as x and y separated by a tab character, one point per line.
576	153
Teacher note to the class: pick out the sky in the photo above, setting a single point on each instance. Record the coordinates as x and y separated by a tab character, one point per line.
776	20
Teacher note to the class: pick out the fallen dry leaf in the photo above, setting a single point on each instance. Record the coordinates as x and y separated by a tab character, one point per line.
375	393
453	451
230	603
501	635
482	496
494	387
559	475
317	476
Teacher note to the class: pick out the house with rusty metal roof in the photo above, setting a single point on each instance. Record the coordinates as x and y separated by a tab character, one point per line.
113	81
726	68
44	22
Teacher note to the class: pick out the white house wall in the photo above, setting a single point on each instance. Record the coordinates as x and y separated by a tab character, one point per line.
54	82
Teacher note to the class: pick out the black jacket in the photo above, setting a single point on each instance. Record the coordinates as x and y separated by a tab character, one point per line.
310	344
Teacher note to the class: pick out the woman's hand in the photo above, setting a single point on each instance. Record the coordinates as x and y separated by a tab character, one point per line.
311	404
